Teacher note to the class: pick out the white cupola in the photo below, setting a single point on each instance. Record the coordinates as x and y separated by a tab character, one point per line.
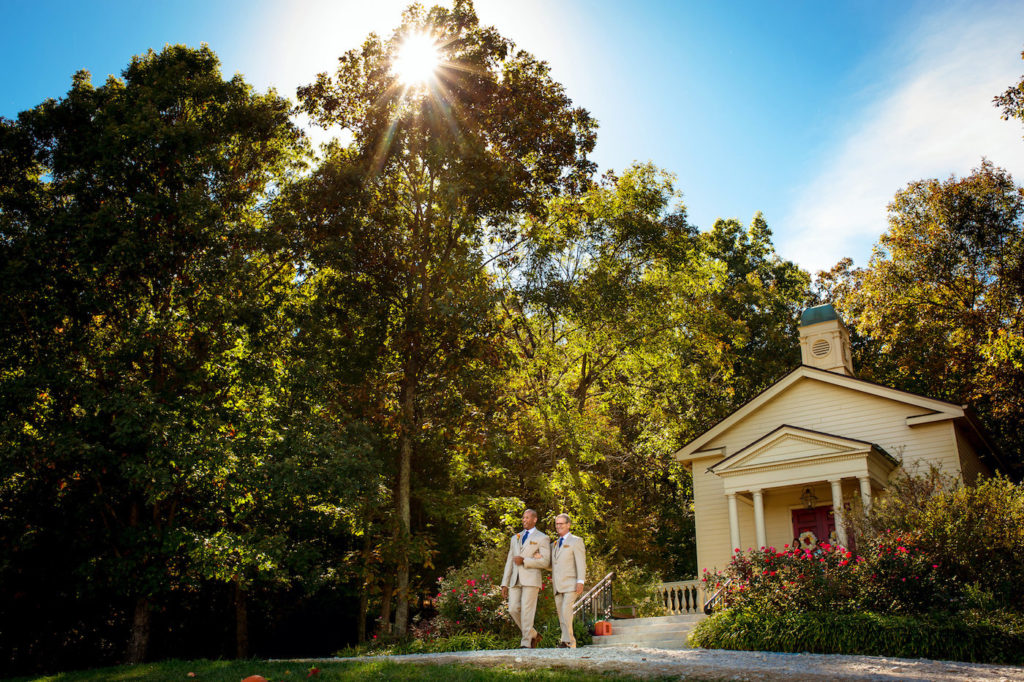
824	340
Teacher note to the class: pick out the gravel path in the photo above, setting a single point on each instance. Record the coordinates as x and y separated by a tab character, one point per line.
717	664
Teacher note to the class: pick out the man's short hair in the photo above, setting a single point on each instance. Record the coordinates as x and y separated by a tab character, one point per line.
531	511
564	516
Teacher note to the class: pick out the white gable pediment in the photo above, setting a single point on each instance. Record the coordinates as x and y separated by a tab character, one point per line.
791	446
790	456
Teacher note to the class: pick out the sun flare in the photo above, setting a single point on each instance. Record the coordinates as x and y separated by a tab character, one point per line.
417	59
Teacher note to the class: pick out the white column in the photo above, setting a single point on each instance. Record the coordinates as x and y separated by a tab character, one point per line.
759	518
865	491
734	523
837	510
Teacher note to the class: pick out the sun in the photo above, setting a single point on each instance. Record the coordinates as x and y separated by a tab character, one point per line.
417	59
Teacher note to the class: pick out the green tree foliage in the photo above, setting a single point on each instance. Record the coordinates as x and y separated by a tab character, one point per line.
404	209
231	384
763	296
140	286
939	305
628	327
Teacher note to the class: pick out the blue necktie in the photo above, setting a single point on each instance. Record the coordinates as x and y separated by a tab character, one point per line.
526	534
560	543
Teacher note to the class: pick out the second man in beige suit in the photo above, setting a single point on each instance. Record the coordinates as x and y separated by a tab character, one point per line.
568	575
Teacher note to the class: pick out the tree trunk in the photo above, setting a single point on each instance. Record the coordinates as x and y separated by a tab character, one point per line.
139	641
241	622
363	606
384	622
364	598
402	498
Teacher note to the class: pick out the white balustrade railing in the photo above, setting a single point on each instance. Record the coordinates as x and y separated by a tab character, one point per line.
684	596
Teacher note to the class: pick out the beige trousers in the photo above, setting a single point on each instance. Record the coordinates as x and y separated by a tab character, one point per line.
563	604
522	606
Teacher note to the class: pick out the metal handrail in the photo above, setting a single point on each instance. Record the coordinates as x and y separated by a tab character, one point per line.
598	598
709	605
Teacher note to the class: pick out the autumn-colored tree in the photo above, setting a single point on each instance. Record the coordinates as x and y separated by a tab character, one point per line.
938	308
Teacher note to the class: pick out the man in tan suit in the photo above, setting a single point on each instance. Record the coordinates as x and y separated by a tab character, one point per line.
568	575
529	552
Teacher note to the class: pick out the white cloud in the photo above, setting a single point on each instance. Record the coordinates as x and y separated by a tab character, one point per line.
935	118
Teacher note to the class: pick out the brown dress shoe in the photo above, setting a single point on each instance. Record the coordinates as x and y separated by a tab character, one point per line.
535	641
563	645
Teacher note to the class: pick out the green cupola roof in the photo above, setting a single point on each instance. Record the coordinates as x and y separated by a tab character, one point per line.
819	313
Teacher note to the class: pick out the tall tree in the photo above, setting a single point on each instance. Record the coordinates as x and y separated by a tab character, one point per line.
139	277
487	138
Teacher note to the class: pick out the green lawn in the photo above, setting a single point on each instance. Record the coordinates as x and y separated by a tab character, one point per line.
234	671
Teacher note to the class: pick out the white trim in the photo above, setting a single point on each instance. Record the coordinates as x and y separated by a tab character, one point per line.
835	445
796	464
915	420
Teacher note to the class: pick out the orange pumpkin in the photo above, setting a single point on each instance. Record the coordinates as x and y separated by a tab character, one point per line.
602	628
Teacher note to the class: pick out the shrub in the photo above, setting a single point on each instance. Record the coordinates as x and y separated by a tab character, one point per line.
973	534
468	605
901	574
981	637
790	579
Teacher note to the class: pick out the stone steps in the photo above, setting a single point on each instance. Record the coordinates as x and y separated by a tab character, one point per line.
664	632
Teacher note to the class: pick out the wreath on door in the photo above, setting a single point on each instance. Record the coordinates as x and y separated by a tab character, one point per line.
808	540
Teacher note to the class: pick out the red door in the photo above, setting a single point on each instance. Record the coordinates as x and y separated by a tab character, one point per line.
819	521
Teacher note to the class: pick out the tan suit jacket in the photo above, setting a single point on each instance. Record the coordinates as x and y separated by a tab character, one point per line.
529	574
568	563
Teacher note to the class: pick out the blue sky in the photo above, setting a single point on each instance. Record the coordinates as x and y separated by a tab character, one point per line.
814	113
